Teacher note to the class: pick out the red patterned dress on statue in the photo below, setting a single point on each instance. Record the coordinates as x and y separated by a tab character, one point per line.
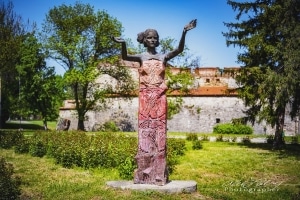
152	124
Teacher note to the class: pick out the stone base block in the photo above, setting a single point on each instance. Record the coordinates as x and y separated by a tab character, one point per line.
171	187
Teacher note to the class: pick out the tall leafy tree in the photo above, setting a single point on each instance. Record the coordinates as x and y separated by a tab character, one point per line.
12	33
182	81
268	32
79	39
183	60
40	89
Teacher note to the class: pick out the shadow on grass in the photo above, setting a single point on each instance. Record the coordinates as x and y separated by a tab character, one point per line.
289	150
26	126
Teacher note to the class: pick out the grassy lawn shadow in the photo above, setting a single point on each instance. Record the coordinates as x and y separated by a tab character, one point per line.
289	150
24	126
30	125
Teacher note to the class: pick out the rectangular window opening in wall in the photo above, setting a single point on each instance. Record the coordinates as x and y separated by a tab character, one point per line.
207	80
218	120
218	80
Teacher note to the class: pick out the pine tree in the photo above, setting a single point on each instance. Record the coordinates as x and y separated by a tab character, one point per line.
268	33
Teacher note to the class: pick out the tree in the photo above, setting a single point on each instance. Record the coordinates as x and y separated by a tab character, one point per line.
183	60
268	32
182	81
12	34
79	39
40	91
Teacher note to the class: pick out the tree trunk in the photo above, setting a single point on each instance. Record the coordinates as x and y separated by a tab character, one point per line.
279	137
80	113
45	124
80	125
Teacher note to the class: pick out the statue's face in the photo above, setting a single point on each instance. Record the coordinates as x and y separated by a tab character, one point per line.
151	39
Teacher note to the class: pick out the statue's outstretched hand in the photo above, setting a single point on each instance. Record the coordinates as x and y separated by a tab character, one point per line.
190	25
117	39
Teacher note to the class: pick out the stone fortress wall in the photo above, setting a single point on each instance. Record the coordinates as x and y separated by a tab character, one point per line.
213	99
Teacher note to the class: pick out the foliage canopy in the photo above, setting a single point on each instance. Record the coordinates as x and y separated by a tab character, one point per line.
268	32
79	39
12	34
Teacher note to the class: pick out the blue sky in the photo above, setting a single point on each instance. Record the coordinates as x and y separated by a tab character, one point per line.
168	17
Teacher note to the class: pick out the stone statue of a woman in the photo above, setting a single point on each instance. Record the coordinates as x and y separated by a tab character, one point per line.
152	117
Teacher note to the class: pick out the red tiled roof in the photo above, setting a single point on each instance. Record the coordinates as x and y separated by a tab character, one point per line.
209	91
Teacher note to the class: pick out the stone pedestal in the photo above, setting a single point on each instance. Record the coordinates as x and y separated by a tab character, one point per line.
170	187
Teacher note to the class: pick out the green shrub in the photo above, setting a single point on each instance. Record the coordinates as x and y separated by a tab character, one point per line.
196	145
205	138
220	138
51	149
223	128
69	149
229	128
246	140
37	149
110	126
22	146
126	168
176	148
69	158
106	149
243	129
9	138
9	184
93	157
191	136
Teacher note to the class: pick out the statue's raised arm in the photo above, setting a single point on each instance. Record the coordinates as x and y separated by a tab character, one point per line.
125	56
192	24
118	39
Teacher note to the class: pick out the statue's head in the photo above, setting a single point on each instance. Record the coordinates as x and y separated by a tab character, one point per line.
142	37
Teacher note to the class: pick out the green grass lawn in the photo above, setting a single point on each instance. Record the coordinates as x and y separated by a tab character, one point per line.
238	171
222	171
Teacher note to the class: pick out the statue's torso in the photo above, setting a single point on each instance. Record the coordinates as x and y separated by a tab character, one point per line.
152	72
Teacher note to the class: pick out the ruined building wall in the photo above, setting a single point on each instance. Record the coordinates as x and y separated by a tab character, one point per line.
212	100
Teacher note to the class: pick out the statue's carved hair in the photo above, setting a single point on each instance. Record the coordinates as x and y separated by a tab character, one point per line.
142	36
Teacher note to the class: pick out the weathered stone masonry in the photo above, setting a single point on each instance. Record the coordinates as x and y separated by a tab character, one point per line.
212	100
